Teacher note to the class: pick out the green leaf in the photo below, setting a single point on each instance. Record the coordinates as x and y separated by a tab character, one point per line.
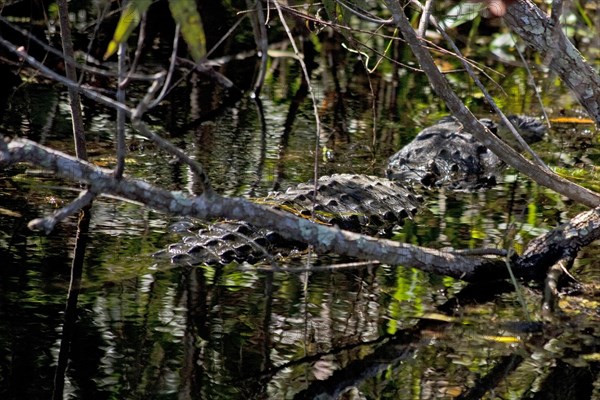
459	14
186	15
130	19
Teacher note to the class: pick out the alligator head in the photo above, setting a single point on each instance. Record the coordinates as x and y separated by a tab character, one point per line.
446	155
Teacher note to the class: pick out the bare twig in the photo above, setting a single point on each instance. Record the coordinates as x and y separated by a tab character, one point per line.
71	72
123	82
170	148
167	83
91	94
70	60
362	14
430	45
425	17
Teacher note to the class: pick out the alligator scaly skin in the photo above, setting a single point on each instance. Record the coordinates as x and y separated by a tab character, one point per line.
358	203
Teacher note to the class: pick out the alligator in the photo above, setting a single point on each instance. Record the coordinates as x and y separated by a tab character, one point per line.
441	156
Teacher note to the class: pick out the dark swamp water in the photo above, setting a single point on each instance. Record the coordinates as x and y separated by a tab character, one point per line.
144	328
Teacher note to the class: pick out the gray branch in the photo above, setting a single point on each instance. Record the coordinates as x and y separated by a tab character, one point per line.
538	31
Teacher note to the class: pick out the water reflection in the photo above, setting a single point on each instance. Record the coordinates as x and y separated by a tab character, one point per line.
146	328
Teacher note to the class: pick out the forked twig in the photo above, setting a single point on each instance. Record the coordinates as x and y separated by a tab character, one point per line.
48	223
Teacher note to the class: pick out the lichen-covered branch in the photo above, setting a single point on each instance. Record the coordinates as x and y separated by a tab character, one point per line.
559	244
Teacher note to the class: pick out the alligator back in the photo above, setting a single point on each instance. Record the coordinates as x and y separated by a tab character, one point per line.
359	203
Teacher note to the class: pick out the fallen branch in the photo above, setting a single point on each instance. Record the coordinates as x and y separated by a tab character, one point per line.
323	238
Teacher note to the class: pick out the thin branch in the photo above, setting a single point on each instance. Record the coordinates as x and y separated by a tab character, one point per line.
430	45
170	148
69	60
363	14
171	72
486	94
557	9
425	18
71	73
124	82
